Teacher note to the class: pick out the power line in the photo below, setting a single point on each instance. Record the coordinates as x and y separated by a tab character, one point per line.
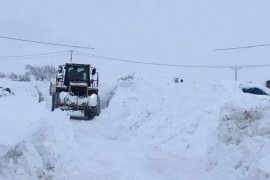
251	66
46	43
164	64
61	53
148	63
235	68
33	55
242	47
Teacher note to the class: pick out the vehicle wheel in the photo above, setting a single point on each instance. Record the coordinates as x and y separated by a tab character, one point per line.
53	101
89	114
97	109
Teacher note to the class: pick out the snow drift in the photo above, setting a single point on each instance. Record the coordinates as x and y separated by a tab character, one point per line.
147	130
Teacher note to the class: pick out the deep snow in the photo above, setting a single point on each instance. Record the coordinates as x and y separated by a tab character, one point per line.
148	129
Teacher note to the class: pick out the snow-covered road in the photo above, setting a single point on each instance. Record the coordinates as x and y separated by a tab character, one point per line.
150	130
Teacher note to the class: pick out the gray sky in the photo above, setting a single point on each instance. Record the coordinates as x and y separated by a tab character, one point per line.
174	31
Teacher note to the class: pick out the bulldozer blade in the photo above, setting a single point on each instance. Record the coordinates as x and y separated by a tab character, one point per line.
74	117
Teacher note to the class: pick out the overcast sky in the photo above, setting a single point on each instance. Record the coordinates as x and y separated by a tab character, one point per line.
162	31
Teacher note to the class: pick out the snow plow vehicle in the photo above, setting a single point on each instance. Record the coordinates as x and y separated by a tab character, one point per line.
76	89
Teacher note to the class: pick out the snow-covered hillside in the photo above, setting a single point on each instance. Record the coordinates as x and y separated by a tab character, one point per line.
154	129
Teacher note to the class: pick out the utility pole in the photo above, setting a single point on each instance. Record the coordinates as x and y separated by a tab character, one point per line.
236	69
71	54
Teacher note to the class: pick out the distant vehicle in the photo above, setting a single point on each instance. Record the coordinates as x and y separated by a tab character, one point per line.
76	89
254	90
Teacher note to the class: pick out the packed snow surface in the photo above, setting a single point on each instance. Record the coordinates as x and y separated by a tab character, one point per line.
156	130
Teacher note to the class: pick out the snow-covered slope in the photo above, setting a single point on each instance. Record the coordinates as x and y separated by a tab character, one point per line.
147	130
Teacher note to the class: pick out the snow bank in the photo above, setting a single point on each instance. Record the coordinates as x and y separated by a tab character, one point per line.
208	126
